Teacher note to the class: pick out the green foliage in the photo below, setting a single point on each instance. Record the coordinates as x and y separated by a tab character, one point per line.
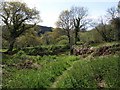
6	59
20	54
15	15
86	36
47	38
74	72
28	39
51	67
4	43
58	32
91	35
46	49
63	37
83	73
53	37
16	58
116	25
63	42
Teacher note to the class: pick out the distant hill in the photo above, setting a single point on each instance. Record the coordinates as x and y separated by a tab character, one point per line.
40	29
43	29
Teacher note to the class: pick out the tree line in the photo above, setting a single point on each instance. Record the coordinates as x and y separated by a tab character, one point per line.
76	19
17	16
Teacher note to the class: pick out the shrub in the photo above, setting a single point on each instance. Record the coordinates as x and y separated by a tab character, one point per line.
63	42
46	50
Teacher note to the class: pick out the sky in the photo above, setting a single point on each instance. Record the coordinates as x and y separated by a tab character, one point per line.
50	9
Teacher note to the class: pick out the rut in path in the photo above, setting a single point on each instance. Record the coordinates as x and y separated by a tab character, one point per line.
59	77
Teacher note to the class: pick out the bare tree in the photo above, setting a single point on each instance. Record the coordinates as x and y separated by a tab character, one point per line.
65	22
119	9
102	28
112	13
114	18
16	16
79	15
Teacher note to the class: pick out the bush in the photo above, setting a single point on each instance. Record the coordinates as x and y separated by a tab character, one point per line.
63	42
63	37
46	50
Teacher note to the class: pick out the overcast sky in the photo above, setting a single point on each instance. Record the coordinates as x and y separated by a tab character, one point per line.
50	9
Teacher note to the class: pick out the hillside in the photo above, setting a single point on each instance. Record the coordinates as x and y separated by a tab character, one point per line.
70	56
40	29
43	29
62	70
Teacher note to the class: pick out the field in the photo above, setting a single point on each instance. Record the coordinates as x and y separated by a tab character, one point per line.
60	71
59	46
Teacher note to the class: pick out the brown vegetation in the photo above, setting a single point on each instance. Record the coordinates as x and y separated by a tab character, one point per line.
104	50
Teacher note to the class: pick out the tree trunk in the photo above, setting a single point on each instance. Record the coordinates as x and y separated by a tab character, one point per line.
76	36
118	36
105	39
11	45
69	37
71	50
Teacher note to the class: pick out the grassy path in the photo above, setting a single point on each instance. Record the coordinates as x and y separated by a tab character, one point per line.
63	74
68	69
99	72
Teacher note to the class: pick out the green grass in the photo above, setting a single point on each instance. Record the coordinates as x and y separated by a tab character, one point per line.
46	50
52	66
83	73
3	50
97	45
64	70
